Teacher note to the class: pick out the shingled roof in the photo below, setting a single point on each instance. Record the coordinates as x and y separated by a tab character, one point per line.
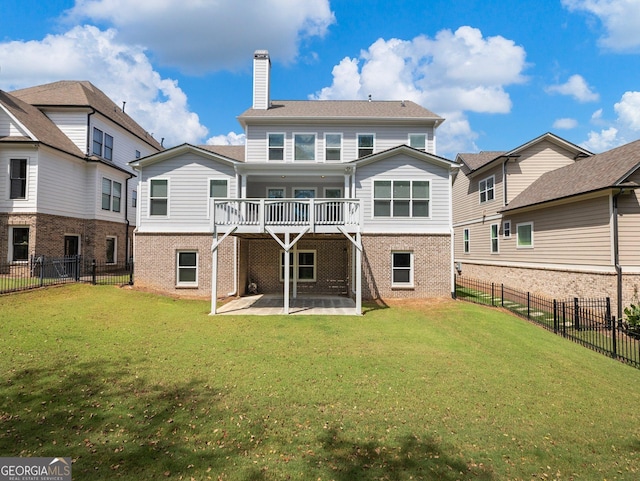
601	171
347	109
470	161
235	152
73	93
38	124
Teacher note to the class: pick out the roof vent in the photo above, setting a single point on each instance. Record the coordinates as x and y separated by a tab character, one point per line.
369	97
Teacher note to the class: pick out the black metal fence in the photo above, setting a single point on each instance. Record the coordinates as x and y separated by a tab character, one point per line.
586	321
41	271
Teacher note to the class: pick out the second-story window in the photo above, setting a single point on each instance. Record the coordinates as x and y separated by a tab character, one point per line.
304	147
418	141
108	147
276	146
401	198
365	144
486	188
97	141
333	147
158	197
18	175
102	144
111	195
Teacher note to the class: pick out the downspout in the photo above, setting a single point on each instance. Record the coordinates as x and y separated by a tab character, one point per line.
504	182
127	254
616	252
93	111
452	237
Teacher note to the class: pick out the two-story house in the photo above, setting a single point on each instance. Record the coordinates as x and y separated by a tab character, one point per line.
551	218
326	197
67	188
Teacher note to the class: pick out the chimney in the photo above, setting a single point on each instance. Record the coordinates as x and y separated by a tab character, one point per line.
261	79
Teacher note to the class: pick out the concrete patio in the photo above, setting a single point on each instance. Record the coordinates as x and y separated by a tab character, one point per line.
273	304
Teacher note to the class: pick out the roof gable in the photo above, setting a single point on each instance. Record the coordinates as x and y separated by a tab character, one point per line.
206	151
405	149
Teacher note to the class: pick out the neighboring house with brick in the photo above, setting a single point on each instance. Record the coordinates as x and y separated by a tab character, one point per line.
326	197
67	188
570	231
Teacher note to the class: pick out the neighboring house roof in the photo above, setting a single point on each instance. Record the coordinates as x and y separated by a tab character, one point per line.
471	163
37	124
601	171
73	93
235	152
341	109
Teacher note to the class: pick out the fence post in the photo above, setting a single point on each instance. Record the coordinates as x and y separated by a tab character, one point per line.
614	336
555	316
93	272
502	295
492	293
41	270
608	313
576	313
564	319
131	275
77	268
528	305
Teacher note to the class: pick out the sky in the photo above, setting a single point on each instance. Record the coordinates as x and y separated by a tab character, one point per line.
500	72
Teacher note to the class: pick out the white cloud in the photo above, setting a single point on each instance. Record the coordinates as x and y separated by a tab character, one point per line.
447	74
565	124
621	19
628	110
230	139
200	36
604	140
122	72
575	87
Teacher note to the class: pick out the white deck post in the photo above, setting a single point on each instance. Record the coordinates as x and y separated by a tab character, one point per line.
358	273
214	273
295	270
286	273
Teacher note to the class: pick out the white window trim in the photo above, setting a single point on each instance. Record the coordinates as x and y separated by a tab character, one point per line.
284	146
115	250
391	216
26	181
295	264
360	134
184	283
209	179
10	249
284	190
518	246
480	192
506	233
406	285
149	198
466	244
314	189
496	238
315	146
326	147
426	140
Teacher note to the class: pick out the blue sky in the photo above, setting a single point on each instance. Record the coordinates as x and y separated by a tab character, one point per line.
501	73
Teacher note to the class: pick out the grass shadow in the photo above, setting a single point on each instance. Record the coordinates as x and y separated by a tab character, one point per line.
410	458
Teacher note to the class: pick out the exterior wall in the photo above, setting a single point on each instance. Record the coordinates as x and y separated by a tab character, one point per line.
385	137
188	205
558	284
19	205
404	167
155	268
629	230
432	265
466	204
332	265
538	159
73	124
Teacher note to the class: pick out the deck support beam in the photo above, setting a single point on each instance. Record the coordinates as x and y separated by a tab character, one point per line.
214	265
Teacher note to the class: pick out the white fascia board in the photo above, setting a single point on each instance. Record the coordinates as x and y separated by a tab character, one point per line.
22	126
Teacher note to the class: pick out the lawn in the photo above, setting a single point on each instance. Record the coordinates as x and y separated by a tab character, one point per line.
139	386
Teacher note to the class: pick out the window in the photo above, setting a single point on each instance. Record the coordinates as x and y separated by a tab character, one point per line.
218	188
365	144
112	244
418	141
332	193
402	269
276	146
18	175
466	240
158	197
301	193
486	188
108	147
97	141
304	147
333	146
305	265
401	198
134	198
19	247
275	193
137	154
506	228
111	195
494	238
187	269
524	234
102	144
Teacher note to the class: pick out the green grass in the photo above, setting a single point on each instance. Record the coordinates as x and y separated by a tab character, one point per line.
139	386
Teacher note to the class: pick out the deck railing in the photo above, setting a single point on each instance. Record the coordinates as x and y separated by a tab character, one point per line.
263	213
